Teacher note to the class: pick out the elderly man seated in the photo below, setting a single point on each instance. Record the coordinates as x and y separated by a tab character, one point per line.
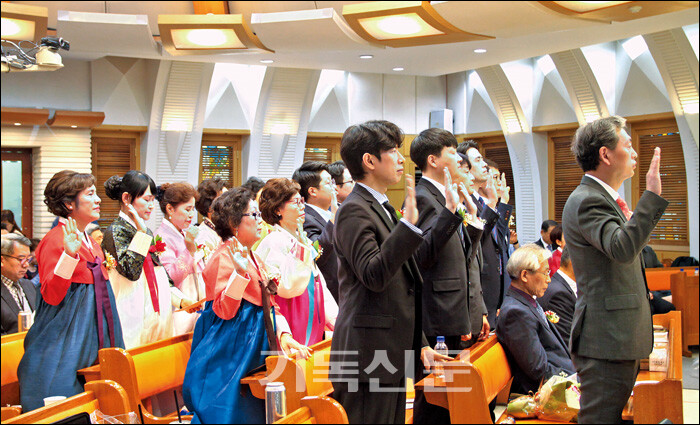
535	350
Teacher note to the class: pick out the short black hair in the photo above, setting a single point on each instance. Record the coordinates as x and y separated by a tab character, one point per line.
336	170
372	137
134	183
492	164
254	184
208	190
547	224
591	137
308	176
466	145
430	142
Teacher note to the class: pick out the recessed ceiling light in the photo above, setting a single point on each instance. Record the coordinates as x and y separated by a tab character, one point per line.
267	61
366	56
18	123
398	69
74	126
479	50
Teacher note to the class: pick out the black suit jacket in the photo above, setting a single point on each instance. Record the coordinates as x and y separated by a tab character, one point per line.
491	278
477	306
560	298
504	213
443	265
10	309
318	230
380	290
534	348
539	242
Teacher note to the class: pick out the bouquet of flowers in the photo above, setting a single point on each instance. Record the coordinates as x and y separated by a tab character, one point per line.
558	399
522	407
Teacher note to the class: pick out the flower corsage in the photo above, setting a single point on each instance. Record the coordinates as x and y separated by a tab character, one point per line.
318	248
468	218
157	246
399	214
109	263
552	316
205	250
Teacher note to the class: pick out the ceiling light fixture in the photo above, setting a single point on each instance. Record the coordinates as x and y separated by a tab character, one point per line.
398	68
366	56
403	24
207	34
620	11
479	50
18	123
267	61
22	22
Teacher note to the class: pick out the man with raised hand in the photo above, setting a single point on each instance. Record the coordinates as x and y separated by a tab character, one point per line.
612	326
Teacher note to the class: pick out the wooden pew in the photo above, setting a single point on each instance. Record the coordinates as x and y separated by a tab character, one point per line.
316	410
107	396
659	278
684	289
653	402
147	371
12	350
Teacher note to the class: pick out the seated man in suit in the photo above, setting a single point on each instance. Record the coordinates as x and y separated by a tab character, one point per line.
18	294
535	349
560	296
318	191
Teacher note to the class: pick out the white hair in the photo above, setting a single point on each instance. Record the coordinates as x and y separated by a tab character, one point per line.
9	240
527	257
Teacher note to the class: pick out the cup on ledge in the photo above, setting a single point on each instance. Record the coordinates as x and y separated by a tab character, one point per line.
25	320
53	399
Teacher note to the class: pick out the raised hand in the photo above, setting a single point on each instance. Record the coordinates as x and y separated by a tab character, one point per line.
468	201
140	224
334	203
410	208
71	237
451	195
190	235
239	262
504	189
653	175
490	192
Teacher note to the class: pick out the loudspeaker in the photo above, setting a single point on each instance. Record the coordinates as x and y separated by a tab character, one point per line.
442	118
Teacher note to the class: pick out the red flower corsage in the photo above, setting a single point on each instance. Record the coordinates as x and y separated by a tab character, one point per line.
157	246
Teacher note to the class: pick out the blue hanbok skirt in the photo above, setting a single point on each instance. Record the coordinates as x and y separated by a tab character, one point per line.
223	352
62	340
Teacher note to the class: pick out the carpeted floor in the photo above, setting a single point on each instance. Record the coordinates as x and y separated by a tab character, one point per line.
690	370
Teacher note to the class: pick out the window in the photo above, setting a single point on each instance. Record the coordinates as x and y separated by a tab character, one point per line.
565	176
221	157
672	228
324	149
114	152
17	186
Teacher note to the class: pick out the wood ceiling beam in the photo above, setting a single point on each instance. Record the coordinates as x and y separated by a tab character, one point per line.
215	7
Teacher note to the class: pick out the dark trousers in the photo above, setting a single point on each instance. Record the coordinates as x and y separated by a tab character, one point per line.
427	413
366	406
606	386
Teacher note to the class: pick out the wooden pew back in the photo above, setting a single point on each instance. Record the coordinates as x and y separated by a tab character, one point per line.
472	386
659	278
302	378
684	288
147	370
316	410
107	396
12	350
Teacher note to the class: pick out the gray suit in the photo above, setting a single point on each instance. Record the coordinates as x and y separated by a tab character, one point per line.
612	326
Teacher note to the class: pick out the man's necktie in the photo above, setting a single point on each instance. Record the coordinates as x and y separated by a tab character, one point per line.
392	212
625	209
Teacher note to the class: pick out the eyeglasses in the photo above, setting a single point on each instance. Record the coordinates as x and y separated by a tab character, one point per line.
254	214
544	273
298	201
344	183
22	260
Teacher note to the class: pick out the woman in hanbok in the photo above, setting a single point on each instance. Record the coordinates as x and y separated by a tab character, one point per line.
76	314
303	296
240	324
140	283
181	258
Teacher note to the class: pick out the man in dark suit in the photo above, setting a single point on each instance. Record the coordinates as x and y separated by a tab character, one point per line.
486	220
379	320
493	269
560	296
612	326
442	258
318	191
505	211
534	348
18	294
544	241
342	179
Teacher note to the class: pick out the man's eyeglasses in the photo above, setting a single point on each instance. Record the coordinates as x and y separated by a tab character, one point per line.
22	260
344	183
544	273
254	214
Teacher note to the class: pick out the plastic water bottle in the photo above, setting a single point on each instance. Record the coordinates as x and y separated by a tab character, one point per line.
440	348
